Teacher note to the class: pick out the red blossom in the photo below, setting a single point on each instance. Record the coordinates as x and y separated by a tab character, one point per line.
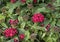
13	21
10	32
16	21
38	17
35	1
21	36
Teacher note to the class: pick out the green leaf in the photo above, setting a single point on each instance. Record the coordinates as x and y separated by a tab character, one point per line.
43	35
4	25
1	39
57	15
47	21
2	16
58	23
13	6
49	40
43	9
11	40
22	25
21	21
21	30
20	18
27	33
57	3
53	23
29	1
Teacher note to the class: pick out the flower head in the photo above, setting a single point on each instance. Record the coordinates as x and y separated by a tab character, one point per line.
38	17
21	36
10	32
13	21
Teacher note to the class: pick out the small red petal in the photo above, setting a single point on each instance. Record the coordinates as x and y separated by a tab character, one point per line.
22	36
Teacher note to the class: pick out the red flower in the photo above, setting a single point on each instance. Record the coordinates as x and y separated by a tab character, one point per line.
35	1
16	21
12	1
23	1
38	17
13	21
47	27
21	36
10	32
15	40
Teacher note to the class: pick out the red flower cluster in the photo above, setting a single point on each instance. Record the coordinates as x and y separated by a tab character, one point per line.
38	17
13	21
12	1
23	1
35	1
21	36
10	32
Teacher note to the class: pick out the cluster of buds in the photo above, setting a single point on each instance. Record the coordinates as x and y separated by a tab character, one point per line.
38	17
10	32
